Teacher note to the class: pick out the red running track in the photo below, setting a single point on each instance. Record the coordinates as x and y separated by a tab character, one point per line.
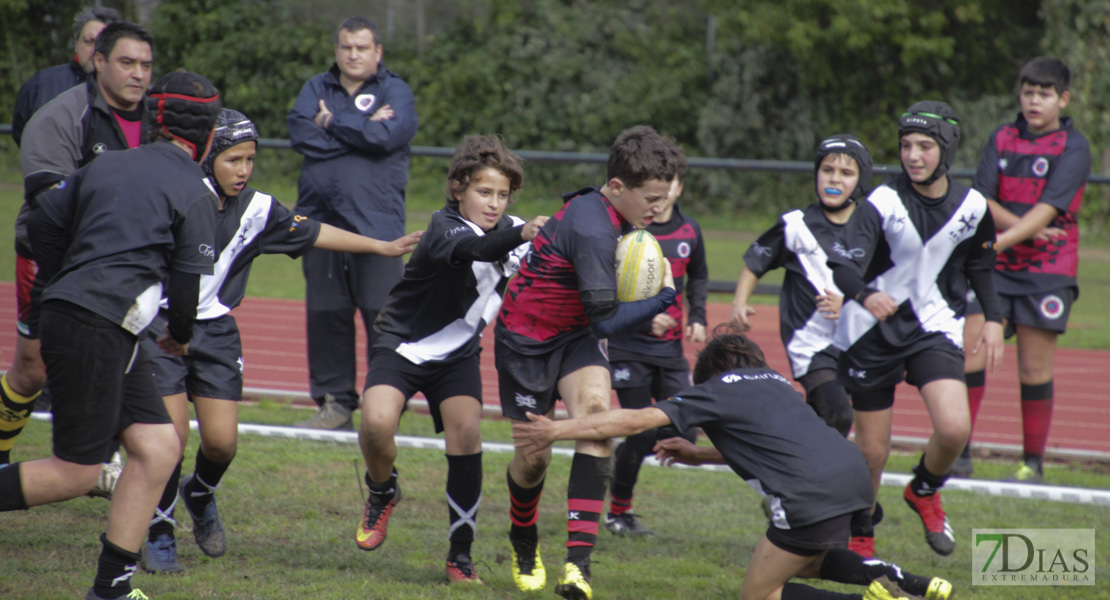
273	334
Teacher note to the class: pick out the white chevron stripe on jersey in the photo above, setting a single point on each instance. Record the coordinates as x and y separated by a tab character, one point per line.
917	264
442	343
817	332
251	225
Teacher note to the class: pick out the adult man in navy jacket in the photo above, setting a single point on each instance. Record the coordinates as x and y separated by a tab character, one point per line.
46	84
353	124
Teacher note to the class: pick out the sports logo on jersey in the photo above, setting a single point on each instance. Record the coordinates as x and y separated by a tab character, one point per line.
240	361
624	374
99	148
1040	166
967	223
731	378
683	249
296	220
603	345
760	250
857	373
525	400
455	230
207	250
1052	306
896	223
848	252
363	102
1002	164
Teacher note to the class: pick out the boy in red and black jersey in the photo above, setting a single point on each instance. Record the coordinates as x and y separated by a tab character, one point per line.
1033	173
549	343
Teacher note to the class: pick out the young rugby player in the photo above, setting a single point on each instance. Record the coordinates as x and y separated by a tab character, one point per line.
647	362
767	435
106	240
428	336
1033	174
548	343
809	304
249	223
909	253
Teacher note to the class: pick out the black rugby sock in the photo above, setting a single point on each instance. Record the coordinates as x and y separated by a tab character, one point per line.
114	569
524	508
163	522
464	495
206	478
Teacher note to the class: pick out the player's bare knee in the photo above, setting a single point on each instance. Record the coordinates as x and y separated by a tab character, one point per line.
464	438
533	467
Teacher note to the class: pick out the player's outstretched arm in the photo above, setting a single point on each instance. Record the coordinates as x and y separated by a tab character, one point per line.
681	450
539	432
741	311
339	240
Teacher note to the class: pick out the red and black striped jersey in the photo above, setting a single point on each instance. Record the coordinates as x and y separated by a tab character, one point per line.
1020	169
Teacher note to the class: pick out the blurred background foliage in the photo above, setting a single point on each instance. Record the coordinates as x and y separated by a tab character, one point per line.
726	78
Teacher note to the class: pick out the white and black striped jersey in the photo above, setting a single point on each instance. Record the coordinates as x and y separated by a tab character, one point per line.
800	242
917	250
248	225
445	298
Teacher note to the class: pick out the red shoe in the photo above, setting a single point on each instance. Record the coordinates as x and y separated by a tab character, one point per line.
938	532
461	570
863	545
372	528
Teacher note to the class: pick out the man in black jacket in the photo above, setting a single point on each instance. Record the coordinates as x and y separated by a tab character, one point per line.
45	85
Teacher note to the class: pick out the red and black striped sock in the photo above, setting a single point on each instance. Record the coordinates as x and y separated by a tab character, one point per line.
524	508
619	506
1036	419
589	478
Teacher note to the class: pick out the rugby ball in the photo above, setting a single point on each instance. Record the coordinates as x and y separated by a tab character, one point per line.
639	266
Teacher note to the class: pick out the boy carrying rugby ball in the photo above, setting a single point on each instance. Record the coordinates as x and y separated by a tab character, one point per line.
549	343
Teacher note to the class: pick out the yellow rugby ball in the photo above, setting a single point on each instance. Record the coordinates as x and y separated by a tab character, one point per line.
639	266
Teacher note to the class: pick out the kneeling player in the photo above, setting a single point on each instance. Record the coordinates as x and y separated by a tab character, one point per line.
756	421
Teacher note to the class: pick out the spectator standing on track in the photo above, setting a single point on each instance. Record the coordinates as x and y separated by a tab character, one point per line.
48	83
353	124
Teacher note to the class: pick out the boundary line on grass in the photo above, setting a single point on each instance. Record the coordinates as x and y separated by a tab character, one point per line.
1052	493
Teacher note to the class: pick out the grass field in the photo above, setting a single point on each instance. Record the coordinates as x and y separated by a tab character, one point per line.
291	508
